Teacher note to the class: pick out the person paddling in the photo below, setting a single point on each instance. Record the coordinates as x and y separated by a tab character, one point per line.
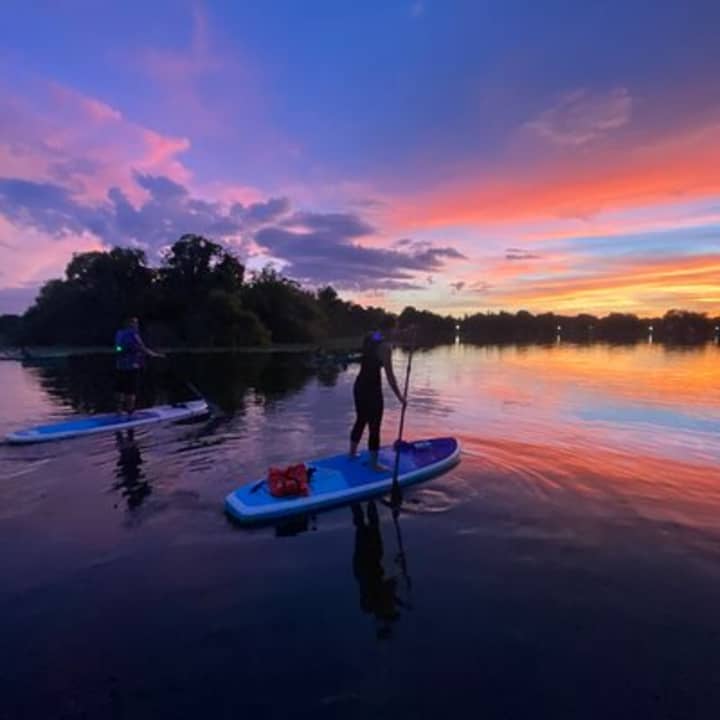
367	391
130	351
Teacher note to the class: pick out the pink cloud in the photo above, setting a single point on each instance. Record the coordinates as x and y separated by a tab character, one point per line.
183	76
29	257
222	92
199	58
56	134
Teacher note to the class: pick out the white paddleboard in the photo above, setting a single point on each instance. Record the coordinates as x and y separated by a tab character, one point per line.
91	424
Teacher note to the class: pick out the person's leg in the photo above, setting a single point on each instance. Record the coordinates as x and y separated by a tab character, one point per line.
360	422
132	389
374	423
120	391
356	434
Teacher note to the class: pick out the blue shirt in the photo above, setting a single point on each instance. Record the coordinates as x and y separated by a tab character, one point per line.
128	350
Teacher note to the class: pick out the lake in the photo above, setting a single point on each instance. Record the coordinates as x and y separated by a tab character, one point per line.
568	567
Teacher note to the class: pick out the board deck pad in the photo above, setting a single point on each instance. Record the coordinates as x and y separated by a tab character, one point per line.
91	424
338	480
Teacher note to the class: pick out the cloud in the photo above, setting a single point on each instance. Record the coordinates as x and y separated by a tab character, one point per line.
316	247
458	286
682	165
329	226
168	212
322	248
29	256
581	117
182	76
520	254
633	284
213	90
50	133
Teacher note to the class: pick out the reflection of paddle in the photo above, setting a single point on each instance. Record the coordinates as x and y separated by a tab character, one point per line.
401	557
396	492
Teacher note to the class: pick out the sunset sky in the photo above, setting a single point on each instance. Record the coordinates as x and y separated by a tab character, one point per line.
455	155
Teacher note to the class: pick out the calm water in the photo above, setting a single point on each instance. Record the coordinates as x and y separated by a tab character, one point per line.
568	567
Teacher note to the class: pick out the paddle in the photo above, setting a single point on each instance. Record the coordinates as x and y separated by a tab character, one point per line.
180	377
396	492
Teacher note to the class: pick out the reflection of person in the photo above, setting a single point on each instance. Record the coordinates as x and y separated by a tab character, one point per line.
376	355
378	594
130	477
130	353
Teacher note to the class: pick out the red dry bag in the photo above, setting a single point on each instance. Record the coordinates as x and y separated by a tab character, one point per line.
291	481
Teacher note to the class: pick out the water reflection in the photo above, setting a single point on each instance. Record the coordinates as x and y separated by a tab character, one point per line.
295	526
85	382
131	483
379	593
590	484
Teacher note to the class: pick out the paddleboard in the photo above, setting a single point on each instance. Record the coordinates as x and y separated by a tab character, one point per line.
338	480
74	427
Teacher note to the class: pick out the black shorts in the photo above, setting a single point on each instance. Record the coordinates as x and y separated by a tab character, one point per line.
127	382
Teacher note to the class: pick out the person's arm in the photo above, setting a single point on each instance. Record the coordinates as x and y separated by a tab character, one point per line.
145	348
386	356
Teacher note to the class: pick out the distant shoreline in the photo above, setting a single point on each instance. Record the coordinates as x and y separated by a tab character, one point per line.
340	347
30	352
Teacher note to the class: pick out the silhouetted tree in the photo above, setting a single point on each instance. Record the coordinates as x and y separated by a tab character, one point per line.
290	313
10	326
430	328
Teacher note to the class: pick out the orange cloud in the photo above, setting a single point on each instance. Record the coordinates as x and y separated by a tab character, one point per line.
643	287
683	166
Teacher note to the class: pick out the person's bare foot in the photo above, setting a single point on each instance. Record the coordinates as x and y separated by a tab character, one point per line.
377	467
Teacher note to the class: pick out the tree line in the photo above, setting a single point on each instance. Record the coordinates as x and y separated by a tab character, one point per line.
675	326
202	296
199	296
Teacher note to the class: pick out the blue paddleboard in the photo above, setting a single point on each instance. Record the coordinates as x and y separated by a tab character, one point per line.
338	479
91	424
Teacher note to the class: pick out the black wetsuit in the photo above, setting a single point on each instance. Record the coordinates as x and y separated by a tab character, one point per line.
368	394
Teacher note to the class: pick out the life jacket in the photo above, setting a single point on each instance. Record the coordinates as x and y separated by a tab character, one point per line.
292	481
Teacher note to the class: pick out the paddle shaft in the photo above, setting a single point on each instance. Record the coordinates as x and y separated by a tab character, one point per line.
182	378
396	493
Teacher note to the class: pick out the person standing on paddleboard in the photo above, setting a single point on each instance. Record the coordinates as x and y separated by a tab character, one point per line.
130	352
368	394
